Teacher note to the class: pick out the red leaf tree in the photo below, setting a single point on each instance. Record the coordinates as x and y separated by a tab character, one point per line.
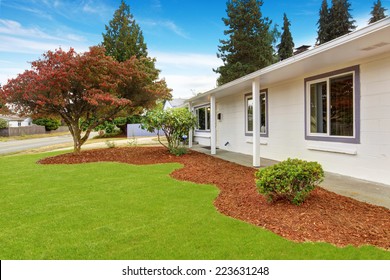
84	89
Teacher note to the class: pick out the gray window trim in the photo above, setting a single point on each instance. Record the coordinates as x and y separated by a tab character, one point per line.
266	134
356	138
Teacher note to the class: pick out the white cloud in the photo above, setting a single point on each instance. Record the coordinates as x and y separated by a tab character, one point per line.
174	28
15	38
187	73
166	24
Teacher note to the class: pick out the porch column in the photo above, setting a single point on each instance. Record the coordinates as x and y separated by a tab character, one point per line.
213	133
256	122
190	133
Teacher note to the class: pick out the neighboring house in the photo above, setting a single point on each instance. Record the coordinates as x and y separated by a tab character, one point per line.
330	104
16	121
174	103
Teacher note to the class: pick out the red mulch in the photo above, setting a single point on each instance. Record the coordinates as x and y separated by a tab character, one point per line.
324	216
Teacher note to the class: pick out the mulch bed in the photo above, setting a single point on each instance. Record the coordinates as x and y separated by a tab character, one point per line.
324	216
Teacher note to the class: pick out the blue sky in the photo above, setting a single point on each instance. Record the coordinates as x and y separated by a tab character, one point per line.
183	35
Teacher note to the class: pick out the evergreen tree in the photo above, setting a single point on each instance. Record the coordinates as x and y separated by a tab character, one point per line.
249	44
341	21
286	44
323	24
378	12
123	38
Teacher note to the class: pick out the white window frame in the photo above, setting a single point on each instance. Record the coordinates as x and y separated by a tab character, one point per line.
207	108
263	93
355	138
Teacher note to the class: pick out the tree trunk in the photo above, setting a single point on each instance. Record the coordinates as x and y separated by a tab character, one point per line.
76	134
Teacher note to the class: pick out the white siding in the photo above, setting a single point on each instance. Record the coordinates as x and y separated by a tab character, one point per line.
368	160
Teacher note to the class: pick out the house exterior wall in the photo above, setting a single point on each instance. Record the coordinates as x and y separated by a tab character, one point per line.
369	159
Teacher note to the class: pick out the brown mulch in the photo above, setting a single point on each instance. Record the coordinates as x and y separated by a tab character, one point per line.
324	216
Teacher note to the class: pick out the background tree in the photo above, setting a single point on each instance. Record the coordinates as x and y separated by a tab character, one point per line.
3	123
174	122
323	23
378	12
286	47
49	123
84	89
123	37
335	21
341	21
249	44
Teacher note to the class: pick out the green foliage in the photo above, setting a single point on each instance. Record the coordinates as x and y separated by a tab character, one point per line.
3	123
108	127
378	12
174	122
292	180
123	37
286	47
110	144
323	23
249	44
48	123
335	21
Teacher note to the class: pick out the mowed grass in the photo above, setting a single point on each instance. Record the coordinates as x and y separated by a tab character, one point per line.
120	211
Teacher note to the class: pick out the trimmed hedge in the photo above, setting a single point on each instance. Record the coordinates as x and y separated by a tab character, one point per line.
291	180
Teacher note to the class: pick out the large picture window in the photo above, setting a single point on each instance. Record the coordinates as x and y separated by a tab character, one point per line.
332	106
263	114
203	117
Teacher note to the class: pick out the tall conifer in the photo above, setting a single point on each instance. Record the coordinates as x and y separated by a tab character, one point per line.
335	21
286	47
378	12
248	46
341	21
323	23
123	38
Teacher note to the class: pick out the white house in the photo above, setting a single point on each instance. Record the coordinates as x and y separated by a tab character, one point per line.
16	121
330	104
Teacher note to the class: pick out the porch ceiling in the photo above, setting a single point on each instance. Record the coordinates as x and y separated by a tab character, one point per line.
366	42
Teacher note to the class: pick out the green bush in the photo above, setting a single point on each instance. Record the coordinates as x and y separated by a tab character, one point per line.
3	123
174	122
292	180
178	151
48	123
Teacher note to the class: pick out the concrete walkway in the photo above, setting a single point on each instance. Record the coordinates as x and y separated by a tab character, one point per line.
370	192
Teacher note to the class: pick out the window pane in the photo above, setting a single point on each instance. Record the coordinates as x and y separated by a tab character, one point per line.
201	115
263	115
249	114
341	106
208	118
318	108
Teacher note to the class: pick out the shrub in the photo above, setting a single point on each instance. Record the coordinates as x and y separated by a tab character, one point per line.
48	123
291	180
178	151
110	144
174	122
3	123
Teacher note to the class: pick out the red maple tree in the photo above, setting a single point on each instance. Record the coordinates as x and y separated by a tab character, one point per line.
84	89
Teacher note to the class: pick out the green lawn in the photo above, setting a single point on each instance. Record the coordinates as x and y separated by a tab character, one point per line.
120	211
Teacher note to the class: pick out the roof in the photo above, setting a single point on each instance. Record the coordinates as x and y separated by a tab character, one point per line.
177	102
369	41
12	118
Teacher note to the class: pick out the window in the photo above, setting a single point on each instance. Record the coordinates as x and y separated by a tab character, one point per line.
203	117
332	106
263	114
